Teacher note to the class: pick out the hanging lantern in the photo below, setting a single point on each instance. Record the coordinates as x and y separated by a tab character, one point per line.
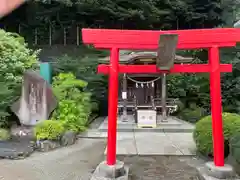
152	84
136	85
142	85
148	85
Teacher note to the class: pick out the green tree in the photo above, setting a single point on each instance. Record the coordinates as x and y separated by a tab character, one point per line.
231	81
84	68
15	58
74	107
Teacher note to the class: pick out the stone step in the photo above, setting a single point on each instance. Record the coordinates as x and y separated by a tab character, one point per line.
173	125
170	129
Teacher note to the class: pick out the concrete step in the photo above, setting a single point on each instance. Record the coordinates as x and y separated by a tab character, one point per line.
173	125
170	129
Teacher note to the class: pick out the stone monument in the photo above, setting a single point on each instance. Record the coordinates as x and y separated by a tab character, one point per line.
37	100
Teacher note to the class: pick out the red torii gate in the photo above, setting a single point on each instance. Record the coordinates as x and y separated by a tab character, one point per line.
211	39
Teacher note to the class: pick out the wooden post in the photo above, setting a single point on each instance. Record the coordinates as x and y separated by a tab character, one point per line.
19	28
164	96
216	106
64	36
112	106
36	36
50	35
77	35
124	97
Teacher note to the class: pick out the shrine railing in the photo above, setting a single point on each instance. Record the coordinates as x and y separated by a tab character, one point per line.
156	103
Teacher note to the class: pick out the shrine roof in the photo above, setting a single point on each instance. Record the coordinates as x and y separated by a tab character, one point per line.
128	57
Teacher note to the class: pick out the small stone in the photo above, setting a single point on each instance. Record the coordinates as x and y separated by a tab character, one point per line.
22	132
68	138
47	145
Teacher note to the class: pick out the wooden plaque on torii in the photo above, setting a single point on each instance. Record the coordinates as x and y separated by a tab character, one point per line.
166	51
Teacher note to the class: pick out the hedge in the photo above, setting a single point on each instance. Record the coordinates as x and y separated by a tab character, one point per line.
203	132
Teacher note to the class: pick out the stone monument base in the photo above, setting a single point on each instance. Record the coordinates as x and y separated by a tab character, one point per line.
212	172
115	172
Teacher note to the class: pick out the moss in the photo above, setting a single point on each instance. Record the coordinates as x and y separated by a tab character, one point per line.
4	134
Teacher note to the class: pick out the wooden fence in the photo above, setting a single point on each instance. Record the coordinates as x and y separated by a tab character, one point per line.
48	35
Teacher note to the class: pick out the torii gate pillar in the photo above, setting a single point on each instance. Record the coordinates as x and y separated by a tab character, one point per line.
211	39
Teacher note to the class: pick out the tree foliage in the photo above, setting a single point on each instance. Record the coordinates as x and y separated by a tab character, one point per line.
231	81
74	106
15	59
145	14
84	68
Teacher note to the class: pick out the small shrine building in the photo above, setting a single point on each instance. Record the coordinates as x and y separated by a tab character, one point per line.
144	91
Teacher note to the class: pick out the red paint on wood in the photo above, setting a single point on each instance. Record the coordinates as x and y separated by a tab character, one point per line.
177	68
155	46
216	106
188	39
112	106
139	39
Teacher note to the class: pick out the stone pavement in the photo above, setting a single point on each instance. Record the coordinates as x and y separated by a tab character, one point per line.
173	124
150	141
75	162
142	143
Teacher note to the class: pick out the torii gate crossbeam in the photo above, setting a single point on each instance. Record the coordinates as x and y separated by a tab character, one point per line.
211	39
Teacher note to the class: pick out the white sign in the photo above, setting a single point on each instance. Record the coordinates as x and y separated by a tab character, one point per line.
146	118
124	95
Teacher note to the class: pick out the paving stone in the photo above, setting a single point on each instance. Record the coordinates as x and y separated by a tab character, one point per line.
184	142
153	141
91	133
125	144
155	144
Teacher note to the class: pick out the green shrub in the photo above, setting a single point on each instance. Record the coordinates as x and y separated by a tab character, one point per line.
4	134
192	115
49	129
235	147
84	68
74	106
203	132
15	58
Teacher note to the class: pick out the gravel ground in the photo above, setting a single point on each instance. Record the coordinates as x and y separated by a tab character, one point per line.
159	168
76	162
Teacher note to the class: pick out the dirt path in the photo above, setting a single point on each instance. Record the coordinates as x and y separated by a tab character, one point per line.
159	168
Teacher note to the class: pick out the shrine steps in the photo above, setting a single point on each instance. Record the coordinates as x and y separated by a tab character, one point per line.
171	138
172	125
